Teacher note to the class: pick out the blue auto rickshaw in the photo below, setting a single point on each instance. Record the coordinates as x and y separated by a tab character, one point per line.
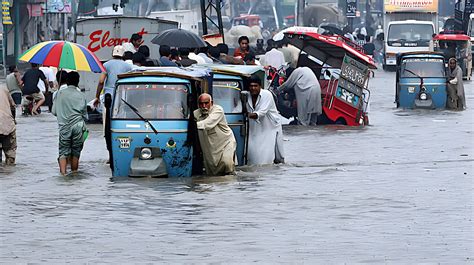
149	131
228	90
421	81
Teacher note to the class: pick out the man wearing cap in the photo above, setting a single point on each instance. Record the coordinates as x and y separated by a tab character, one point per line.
107	80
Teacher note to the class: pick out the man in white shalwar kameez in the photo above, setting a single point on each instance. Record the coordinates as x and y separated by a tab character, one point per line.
265	142
216	137
308	94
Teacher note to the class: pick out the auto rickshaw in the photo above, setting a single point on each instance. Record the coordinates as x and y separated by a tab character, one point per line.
228	90
151	129
421	81
342	102
452	44
247	20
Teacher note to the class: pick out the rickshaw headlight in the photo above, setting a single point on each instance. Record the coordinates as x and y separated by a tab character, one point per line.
423	96
146	153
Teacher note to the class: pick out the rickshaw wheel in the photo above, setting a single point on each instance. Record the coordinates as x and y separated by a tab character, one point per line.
341	121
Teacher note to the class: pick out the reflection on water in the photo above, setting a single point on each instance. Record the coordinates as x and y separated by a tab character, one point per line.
398	191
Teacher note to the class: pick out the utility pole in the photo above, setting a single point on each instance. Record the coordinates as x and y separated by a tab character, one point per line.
16	35
300	5
207	7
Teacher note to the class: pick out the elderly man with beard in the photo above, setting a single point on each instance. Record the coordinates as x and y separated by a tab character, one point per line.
215	136
456	97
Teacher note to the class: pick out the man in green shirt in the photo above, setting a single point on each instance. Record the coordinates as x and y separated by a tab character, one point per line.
70	107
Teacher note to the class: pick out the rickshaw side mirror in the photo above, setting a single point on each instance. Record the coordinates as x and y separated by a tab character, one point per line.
371	74
191	101
328	73
108	100
244	96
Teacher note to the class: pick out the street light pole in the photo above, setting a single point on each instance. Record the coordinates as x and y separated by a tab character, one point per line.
300	5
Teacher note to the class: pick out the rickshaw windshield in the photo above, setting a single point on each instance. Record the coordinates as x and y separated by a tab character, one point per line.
226	93
423	67
153	101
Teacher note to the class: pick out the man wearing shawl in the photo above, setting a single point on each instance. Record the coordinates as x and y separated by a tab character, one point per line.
307	91
456	98
265	139
217	139
70	107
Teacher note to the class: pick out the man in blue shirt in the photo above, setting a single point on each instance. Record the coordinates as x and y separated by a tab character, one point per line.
107	80
165	52
113	67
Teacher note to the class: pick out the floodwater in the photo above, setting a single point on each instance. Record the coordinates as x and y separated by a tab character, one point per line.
399	191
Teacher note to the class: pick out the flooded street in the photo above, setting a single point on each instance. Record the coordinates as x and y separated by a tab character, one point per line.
399	191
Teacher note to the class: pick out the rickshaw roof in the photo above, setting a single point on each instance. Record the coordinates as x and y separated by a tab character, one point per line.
152	79
226	77
330	49
229	69
421	54
184	73
452	37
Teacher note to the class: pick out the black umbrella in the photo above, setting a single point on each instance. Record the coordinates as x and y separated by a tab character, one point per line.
332	28
179	38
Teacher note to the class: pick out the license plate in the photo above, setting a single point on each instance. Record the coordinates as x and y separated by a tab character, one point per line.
124	142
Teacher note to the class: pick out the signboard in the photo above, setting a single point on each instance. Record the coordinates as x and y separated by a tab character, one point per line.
35	10
352	80
411	6
6	19
58	6
351	8
354	71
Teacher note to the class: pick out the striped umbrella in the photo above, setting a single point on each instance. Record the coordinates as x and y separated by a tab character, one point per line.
63	55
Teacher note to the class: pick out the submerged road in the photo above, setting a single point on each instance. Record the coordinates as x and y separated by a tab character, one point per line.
398	191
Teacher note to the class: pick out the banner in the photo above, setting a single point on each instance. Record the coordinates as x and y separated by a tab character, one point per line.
58	6
411	5
351	8
6	18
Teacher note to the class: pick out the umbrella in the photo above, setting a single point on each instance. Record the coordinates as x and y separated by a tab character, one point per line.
63	55
332	28
179	38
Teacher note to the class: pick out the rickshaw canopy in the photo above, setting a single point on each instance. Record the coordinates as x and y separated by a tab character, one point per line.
186	73
452	37
419	54
330	49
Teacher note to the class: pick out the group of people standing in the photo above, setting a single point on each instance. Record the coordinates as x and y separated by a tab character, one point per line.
265	137
68	104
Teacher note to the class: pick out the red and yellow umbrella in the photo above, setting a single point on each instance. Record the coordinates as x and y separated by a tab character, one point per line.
63	55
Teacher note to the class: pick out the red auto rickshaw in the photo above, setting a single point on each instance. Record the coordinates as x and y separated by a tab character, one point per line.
247	20
457	45
343	71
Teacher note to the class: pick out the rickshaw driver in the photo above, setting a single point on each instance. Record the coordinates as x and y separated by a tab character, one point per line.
216	137
307	91
456	97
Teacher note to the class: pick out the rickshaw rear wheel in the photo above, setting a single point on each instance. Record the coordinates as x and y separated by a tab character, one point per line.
341	121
